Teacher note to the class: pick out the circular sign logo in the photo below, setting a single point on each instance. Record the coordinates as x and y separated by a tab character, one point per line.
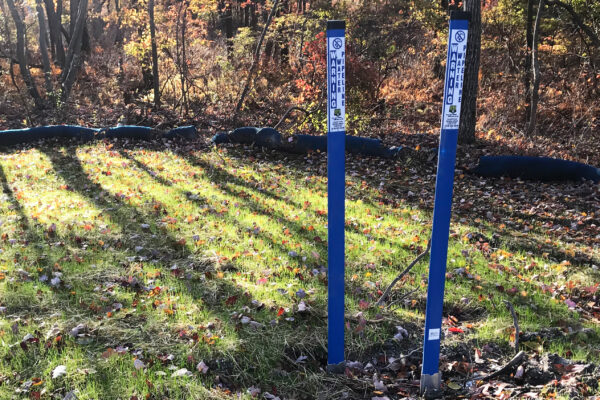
337	43
459	36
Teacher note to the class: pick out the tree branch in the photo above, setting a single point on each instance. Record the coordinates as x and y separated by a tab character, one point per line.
289	110
577	19
15	61
22	55
238	107
511	364
403	274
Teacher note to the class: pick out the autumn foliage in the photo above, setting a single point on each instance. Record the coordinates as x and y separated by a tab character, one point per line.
395	59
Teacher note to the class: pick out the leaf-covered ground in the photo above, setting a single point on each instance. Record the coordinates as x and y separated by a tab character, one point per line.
177	271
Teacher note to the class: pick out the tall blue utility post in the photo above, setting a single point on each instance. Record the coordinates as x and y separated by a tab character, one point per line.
431	378
336	184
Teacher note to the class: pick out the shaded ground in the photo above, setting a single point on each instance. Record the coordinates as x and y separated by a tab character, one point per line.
171	270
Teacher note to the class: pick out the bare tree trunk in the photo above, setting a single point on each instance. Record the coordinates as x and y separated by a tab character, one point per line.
22	55
154	54
7	32
529	37
253	16
97	23
255	60
85	37
58	51
226	17
535	91
44	47
182	55
246	15
73	57
468	111
185	87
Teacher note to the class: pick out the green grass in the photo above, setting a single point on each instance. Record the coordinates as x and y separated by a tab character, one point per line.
162	253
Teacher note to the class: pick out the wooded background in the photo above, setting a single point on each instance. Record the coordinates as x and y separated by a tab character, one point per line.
532	65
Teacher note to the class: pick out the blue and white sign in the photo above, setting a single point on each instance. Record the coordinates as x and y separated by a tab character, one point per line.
455	71
336	185
455	67
336	67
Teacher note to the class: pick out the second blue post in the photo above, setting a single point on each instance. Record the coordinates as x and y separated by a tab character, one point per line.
431	378
336	184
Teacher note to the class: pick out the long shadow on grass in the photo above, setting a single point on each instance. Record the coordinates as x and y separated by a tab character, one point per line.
140	165
69	167
265	212
555	312
221	175
33	239
16	205
531	245
122	213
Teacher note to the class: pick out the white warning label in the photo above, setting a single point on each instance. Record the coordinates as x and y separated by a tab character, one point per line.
336	80
455	72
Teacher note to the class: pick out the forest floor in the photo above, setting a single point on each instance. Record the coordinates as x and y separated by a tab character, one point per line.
171	270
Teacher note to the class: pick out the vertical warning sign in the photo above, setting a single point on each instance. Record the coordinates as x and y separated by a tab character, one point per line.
455	71
442	210
336	79
336	189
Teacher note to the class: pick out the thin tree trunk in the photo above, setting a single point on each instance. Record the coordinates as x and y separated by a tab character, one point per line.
58	51
22	56
255	60
73	6
535	91
73	57
7	32
527	77
183	63
468	111
253	16
97	23
226	18
85	37
154	54
44	47
300	56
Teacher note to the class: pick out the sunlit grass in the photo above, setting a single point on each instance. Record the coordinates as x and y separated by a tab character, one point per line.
174	257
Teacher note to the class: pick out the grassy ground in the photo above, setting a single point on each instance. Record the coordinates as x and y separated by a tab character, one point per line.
127	264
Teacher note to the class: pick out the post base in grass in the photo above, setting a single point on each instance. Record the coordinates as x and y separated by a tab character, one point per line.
431	385
336	368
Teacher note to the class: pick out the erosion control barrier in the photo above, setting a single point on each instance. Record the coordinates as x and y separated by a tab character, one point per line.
535	168
272	139
27	135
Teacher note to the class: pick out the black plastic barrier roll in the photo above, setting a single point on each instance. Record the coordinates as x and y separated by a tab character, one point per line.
17	136
272	139
535	168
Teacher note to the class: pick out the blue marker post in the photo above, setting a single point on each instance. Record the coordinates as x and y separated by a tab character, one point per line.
336	184
431	378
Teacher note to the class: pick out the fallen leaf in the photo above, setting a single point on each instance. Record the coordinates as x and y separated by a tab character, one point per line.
203	368
59	371
181	372
138	364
